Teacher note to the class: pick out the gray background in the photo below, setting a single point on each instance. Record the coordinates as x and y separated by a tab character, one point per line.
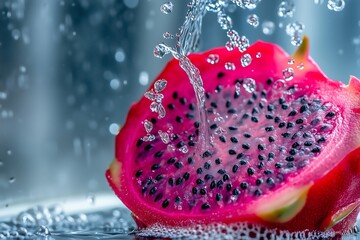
57	59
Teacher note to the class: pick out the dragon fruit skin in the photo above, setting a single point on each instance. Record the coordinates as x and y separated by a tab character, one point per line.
325	194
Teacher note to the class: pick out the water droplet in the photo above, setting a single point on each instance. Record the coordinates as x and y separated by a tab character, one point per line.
22	231
279	84
224	21
215	5
161	50
3	95
115	84
12	179
246	60
288	74
42	231
184	149
164	136
296	40
291	61
230	66
213	58
336	5
249	85
120	55
230	45
148	126
114	128
258	55
319	2
253	20
22	69
151	95
243	43
143	78
294	28
154	106
25	219
300	66
170	147
167	7
161	111
148	138
168	35
268	27
286	9
160	85
16	34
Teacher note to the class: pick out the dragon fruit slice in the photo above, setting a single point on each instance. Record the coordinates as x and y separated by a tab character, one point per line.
285	154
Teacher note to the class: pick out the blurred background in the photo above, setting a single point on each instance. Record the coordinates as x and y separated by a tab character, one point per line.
70	69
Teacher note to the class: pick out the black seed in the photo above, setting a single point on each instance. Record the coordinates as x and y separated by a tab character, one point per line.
257	192
206	154
219	184
159	177
261	104
143	190
250	171
189	115
247	135
243	162
286	134
245	146
261	147
235	168
180	144
153	191
290	125
292	113
138	173
155	166
240	155
182	101
178	119
244	185
304	108
269	116
322	139
289	158
191	144
218	88
269	128
231	111
203	191
271	139
190	160
199	181
214	104
199	171
299	121
196	124
255	110
158	197
176	136
330	114
226	177
254	119
171	182
270	107
222	139
191	137
277	119
306	135
268	172
175	95
217	161
153	120
293	151
171	106
179	181
177	199
295	145
232	152
205	206
245	116
220	74
278	165
228	187
316	149
315	121
139	142
290	165
261	157
260	165
254	95
178	165
250	101
148	147
236	94
270	181
284	106
228	104
269	81
207	165
194	190
221	171
282	124
271	155
158	154
191	106
234	140
165	203
307	143
218	197
210	110
281	100
295	135
213	184
258	181
208	177
207	95
232	128
324	127
236	192
186	176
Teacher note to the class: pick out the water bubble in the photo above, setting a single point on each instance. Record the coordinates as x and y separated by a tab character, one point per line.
168	35
230	45
12	179
151	95
246	60
319	2
294	28
120	55
161	111
249	85
167	7
243	43
224	21
279	84
300	66
25	219
160	50
258	55
230	66
3	95
286	9
213	58
170	147
22	231
42	231
253	20
114	128
336	5
291	61
164	136
288	74
296	40
16	34
143	78
184	149
160	85
215	5
22	69
148	126
268	27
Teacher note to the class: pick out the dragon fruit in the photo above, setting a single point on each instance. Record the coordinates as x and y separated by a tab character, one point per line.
285	149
